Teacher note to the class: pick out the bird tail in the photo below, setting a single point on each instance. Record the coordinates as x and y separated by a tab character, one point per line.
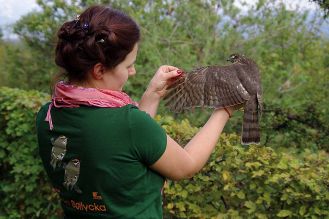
250	127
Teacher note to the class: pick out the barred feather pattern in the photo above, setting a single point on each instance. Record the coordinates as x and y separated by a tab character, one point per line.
236	85
250	125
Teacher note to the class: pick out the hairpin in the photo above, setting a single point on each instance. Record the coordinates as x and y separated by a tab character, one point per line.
100	41
85	26
76	20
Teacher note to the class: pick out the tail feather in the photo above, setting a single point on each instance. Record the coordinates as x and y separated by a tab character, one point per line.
250	128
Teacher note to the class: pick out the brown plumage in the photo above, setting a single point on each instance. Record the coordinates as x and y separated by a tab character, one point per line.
236	85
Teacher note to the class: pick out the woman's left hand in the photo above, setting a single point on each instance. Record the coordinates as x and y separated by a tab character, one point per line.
162	78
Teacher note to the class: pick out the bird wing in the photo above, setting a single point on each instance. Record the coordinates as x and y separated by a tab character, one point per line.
187	91
212	86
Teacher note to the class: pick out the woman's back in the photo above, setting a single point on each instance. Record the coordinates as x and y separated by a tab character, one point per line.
98	159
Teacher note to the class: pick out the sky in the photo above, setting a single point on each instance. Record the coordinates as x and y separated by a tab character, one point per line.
12	10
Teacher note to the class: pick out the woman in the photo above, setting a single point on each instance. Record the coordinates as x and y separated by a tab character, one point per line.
103	152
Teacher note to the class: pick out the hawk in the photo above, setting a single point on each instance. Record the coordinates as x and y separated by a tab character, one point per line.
235	85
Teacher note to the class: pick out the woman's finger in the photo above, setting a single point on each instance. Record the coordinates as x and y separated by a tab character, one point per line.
168	68
173	74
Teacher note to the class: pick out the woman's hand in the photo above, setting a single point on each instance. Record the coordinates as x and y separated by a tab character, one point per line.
157	88
162	78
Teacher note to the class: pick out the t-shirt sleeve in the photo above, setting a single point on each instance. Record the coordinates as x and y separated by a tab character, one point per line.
149	139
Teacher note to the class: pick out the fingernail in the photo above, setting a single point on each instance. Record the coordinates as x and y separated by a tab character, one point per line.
179	72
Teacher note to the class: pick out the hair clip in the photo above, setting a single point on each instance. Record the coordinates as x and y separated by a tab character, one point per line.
100	41
85	26
76	20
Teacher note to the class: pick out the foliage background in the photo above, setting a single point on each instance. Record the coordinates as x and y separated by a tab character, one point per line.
287	176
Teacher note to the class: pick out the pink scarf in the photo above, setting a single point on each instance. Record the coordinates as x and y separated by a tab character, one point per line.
70	96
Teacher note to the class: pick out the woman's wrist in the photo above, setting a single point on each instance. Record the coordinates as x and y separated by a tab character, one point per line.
149	102
152	94
224	112
229	111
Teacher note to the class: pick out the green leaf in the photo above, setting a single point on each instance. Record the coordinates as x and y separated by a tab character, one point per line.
302	210
284	213
241	195
258	173
251	205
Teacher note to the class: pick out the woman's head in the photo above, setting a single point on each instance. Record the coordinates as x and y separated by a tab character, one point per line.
100	35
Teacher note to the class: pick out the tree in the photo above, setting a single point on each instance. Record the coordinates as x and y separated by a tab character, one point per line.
324	4
167	37
291	53
1	33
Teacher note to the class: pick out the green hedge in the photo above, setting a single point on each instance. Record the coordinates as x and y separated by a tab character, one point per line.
24	187
255	182
252	182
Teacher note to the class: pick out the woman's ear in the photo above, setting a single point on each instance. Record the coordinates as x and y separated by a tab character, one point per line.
98	71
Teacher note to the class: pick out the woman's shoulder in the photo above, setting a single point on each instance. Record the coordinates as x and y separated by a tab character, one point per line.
141	121
139	116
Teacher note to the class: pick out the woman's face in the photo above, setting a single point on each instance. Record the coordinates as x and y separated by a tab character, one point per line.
116	78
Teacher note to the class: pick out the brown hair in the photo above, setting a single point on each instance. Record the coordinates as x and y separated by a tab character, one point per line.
99	35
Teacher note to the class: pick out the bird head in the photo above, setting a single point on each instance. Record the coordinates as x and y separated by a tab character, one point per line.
235	58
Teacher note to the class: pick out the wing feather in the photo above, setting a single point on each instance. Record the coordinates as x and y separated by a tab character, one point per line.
212	86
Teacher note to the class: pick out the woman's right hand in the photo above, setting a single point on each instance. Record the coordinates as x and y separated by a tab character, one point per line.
162	78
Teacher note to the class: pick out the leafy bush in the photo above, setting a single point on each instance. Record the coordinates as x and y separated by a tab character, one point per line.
24	188
237	182
252	182
303	127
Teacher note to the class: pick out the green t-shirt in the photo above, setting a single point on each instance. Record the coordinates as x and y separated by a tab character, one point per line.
98	158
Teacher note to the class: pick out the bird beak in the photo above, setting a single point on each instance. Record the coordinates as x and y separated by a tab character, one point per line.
228	60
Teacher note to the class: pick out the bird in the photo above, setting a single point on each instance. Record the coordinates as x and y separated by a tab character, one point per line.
71	175
236	85
58	151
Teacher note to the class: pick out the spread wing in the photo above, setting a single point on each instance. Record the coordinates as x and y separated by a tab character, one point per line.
212	86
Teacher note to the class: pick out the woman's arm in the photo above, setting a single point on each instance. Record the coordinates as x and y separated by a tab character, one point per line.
149	102
179	163
156	89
